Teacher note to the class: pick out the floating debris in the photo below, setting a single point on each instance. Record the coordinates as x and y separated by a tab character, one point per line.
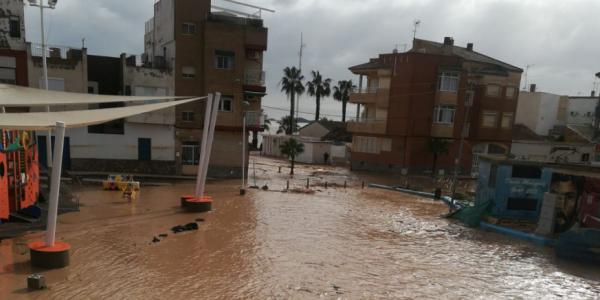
186	227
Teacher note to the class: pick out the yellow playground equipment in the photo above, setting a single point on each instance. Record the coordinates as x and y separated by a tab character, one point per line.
120	183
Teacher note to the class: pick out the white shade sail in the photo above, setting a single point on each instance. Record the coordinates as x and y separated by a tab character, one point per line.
80	118
13	95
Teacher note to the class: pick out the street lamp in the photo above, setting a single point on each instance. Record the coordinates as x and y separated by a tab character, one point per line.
51	5
245	104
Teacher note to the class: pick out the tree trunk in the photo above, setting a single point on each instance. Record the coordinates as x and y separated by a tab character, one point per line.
344	102
290	128
357	112
292	169
318	107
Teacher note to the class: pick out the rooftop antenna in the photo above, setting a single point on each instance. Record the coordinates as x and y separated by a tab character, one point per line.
416	24
526	76
302	45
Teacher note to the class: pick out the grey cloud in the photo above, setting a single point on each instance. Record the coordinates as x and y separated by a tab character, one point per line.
558	37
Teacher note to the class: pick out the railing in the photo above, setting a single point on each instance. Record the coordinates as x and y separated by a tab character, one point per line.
255	78
365	90
367	125
255	119
55	51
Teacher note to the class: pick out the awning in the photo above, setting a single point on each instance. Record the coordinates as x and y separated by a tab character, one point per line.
251	93
79	118
13	95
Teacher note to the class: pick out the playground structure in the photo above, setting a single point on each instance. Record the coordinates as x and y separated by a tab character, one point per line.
19	172
120	183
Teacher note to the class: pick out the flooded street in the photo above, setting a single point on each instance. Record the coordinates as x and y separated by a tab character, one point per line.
348	243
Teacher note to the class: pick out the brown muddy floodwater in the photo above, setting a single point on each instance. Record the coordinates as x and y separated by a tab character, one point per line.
335	244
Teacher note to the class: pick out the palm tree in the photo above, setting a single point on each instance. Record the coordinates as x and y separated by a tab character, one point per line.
341	92
291	148
318	87
291	85
437	147
284	124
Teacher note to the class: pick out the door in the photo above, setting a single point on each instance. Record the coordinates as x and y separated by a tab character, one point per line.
41	144
144	149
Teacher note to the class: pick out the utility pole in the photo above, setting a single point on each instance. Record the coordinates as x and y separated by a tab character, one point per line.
464	132
302	45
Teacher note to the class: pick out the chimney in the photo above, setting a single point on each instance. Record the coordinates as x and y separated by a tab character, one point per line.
593	94
449	41
470	47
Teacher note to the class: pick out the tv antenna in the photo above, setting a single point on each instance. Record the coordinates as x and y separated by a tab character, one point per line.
526	76
416	25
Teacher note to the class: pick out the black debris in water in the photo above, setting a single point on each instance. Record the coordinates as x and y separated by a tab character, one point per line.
163	235
186	227
199	220
155	240
265	187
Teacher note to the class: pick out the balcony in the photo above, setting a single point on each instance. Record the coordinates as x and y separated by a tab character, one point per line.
255	78
254	119
378	96
367	126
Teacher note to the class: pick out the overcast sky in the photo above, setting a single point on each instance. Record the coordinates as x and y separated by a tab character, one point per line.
559	38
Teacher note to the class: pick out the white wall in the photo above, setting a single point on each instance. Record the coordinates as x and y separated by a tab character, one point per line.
163	30
581	110
115	146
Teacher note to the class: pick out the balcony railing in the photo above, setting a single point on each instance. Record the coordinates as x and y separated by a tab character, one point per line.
255	119
367	126
55	51
255	78
365	90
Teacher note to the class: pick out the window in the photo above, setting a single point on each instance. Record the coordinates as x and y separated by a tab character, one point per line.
510	92
366	144
224	59
190	153
187	116
386	144
489	119
530	172
15	27
188	72
226	103
585	157
507	120
8	70
448	82
188	28
492	90
444	114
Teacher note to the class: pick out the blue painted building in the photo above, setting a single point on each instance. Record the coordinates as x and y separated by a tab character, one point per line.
515	188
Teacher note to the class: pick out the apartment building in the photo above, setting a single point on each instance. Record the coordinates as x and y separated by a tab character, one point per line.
13	54
210	50
409	98
542	112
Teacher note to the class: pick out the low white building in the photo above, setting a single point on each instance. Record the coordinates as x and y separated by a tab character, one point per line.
541	112
314	149
581	109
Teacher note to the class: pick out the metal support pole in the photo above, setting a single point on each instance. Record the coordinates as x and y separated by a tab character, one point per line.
45	74
209	142
203	145
55	184
244	151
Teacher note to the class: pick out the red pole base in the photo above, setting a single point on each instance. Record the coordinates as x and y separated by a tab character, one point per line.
196	204
54	257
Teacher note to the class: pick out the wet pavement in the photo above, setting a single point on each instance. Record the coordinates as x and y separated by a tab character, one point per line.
334	243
